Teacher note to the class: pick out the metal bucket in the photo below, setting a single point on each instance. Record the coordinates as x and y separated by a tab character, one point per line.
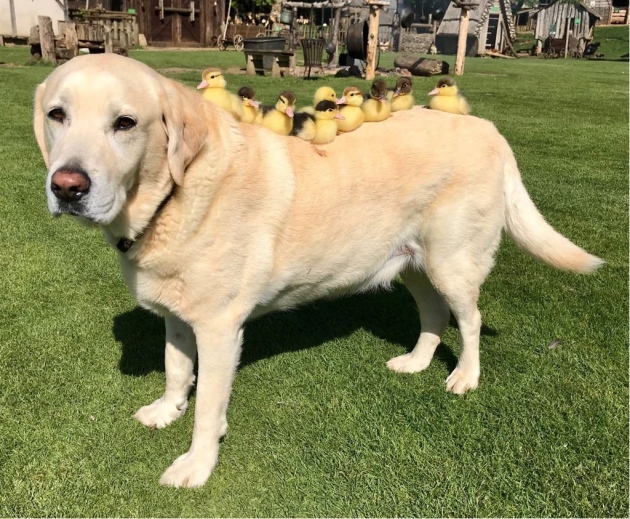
286	16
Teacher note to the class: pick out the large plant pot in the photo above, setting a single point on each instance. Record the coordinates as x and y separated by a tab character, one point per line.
264	43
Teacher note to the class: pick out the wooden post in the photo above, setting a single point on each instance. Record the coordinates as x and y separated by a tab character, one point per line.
461	42
72	40
47	39
293	30
108	42
372	43
566	39
462	38
335	37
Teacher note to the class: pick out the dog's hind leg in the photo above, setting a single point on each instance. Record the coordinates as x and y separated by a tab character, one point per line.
179	361
458	272
434	316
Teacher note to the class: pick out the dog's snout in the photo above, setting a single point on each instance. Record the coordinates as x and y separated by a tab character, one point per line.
69	185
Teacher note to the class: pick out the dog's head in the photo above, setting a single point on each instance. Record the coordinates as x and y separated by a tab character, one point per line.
105	124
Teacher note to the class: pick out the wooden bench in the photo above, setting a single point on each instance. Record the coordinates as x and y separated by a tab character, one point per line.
278	62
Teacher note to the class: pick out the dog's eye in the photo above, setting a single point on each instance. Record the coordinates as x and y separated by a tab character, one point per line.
124	123
57	114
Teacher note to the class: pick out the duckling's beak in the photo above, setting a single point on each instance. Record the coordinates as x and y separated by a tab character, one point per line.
253	103
289	112
339	116
382	98
203	84
434	92
397	92
341	101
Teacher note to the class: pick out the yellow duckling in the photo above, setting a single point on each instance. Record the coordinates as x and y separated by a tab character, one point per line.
320	128
324	93
351	100
213	85
251	107
402	98
448	99
377	108
280	118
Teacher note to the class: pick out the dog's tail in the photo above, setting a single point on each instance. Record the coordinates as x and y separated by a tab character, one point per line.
529	230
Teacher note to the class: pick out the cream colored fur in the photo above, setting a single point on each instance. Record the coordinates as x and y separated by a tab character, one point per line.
260	222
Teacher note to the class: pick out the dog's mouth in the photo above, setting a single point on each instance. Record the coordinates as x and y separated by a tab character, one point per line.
79	209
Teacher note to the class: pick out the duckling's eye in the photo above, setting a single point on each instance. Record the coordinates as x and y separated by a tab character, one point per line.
124	123
443	86
57	115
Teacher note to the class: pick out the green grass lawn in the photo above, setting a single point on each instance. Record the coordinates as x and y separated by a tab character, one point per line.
318	425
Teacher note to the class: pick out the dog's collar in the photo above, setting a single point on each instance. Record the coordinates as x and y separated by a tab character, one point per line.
124	244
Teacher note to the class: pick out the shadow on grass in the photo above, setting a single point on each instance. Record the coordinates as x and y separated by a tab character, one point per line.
389	315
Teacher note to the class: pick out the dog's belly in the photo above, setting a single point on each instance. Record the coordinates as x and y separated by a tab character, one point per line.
321	281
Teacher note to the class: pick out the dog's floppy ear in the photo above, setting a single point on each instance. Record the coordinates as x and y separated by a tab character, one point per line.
38	122
185	128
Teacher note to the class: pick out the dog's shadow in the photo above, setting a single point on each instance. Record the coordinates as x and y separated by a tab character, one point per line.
389	315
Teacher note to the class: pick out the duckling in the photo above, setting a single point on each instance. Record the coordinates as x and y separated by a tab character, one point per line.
377	107
324	93
352	99
402	98
251	107
280	118
448	99
320	128
213	85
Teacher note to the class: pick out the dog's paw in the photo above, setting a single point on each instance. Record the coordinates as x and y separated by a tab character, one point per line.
188	471
460	381
408	363
160	413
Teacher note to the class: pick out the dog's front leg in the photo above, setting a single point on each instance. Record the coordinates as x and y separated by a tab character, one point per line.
179	361
219	345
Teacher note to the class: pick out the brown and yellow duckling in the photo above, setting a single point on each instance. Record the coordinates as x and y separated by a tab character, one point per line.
402	97
377	108
352	99
251	107
279	119
447	98
213	85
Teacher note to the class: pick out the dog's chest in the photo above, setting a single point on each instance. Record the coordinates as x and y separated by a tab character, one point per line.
155	290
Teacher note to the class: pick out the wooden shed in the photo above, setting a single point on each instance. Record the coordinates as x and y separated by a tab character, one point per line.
609	11
554	20
491	28
179	23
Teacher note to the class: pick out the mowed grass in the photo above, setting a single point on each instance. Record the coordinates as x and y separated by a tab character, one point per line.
318	426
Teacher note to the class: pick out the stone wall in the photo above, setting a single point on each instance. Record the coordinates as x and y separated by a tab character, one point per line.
416	43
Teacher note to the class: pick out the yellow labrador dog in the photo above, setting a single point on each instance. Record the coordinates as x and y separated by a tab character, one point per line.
218	222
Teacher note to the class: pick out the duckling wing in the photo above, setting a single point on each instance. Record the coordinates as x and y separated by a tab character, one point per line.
304	126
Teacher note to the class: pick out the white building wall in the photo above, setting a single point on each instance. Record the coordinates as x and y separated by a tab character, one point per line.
26	13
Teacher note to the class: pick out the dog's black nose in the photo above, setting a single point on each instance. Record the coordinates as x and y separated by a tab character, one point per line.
69	185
